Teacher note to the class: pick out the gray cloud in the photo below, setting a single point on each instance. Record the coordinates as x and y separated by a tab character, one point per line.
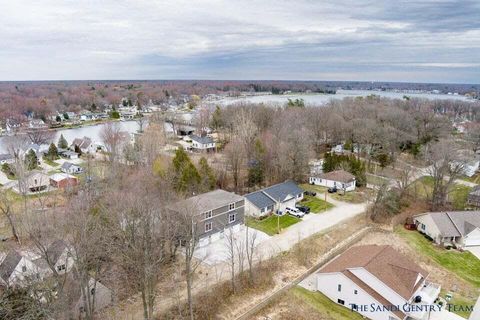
338	40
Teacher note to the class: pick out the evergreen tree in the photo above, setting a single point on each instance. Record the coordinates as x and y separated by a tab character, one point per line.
62	142
217	121
65	116
186	176
58	118
52	153
31	160
256	166
207	175
78	150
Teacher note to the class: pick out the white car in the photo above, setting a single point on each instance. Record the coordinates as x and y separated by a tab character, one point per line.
294	212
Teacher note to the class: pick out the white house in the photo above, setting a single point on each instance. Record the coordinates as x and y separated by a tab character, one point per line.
16	269
471	167
460	229
71	168
6	158
379	283
275	198
340	179
202	144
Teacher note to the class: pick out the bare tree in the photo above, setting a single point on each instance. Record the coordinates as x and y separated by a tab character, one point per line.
40	136
231	246
113	139
445	167
6	207
235	157
250	249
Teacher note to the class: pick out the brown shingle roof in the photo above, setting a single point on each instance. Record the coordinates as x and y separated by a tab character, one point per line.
389	266
337	175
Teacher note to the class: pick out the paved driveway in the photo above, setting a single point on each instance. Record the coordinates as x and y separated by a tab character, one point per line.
218	251
475	250
314	223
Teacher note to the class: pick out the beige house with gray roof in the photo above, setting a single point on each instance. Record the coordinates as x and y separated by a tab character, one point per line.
460	229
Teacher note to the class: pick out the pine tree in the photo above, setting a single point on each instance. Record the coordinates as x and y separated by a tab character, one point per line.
206	174
186	177
31	160
52	153
62	142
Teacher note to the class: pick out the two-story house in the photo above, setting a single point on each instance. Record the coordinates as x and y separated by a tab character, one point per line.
378	282
212	213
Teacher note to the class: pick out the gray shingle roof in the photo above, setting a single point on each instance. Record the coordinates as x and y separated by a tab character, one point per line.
6	156
259	199
282	190
67	165
9	264
456	223
202	140
55	250
207	201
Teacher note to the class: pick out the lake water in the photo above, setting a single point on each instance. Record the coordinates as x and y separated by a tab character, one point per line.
321	99
92	132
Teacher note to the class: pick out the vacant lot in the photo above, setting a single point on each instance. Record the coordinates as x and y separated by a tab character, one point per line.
315	204
272	224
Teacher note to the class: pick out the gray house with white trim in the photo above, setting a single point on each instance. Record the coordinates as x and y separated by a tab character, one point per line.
274	198
213	212
202	143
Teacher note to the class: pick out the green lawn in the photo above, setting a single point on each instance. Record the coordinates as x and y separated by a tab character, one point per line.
459	304
315	204
463	264
326	307
376	180
50	162
457	196
269	225
475	178
352	196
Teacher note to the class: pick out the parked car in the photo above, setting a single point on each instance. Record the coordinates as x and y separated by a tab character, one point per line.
310	193
304	209
332	190
294	212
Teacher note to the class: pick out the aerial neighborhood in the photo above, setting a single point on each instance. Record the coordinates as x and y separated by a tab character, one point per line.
170	205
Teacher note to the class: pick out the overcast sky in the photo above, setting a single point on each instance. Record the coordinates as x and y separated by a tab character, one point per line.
435	41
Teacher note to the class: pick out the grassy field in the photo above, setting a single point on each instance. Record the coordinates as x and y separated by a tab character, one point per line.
376	180
270	225
352	197
457	196
459	304
463	264
315	204
50	162
323	305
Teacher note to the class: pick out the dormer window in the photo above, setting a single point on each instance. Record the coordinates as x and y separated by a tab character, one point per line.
24	268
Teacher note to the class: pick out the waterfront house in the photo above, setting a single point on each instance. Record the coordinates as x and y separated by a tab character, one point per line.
85	144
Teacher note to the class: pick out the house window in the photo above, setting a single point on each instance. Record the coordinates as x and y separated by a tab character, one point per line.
355	291
339	288
24	269
208	226
231	206
340	301
231	218
92	291
61	267
208	214
422	226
